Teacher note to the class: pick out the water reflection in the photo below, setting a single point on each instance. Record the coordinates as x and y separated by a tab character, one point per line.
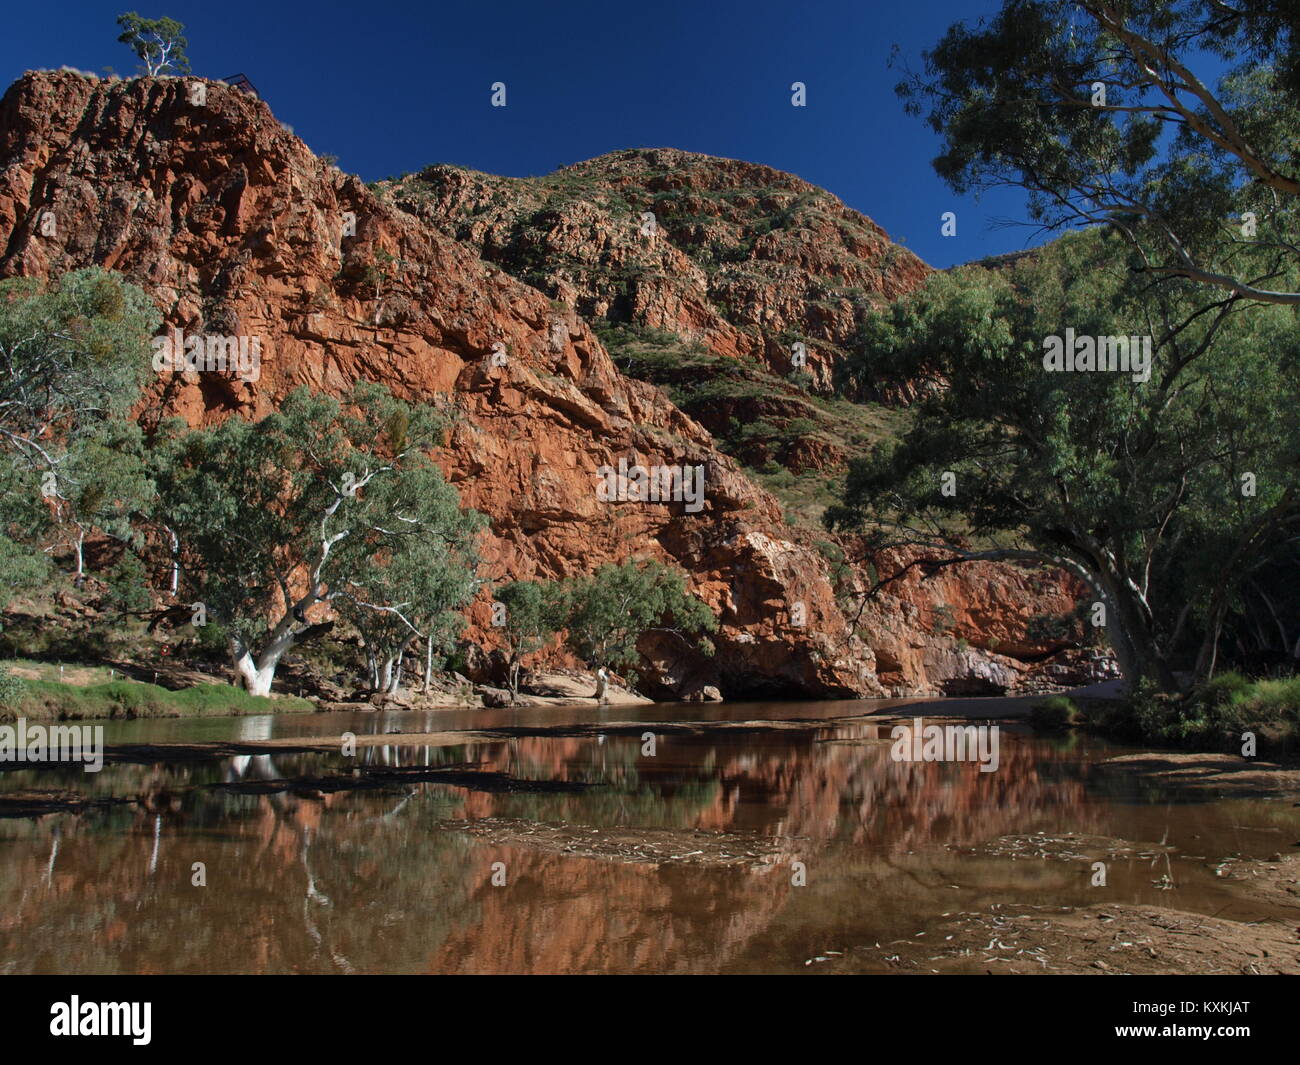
308	879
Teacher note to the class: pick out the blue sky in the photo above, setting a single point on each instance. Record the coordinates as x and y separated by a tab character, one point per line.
390	86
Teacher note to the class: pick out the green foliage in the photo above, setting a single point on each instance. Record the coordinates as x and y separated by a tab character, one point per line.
1097	111
1054	714
944	619
11	688
1135	486
534	612
1171	161
1213	715
73	355
21	568
457	661
157	42
410	585
1072	628
608	612
319	501
653	355
212	639
128	585
1224	690
101	485
1273	697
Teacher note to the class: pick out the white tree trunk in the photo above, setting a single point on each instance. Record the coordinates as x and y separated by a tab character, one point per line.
258	673
399	660
256	679
176	559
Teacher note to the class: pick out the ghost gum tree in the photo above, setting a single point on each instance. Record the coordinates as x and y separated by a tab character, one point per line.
322	502
157	42
1161	495
73	355
411	593
1097	111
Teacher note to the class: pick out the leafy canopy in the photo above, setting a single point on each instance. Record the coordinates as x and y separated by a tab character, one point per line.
74	353
157	42
320	501
607	612
1096	107
1137	487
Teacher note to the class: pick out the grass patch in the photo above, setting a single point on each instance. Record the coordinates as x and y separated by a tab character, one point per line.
804	497
72	673
50	700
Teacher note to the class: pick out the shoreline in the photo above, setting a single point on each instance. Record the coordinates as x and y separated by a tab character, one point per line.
1110	938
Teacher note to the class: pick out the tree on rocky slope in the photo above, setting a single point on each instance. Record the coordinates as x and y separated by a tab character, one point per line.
1164	495
307	507
157	42
608	612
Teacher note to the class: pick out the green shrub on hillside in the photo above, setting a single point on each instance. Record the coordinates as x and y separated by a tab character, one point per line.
11	688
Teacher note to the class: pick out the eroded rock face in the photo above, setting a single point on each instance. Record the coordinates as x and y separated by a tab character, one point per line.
236	228
742	258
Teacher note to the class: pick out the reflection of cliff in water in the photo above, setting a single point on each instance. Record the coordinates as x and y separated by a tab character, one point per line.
370	881
823	785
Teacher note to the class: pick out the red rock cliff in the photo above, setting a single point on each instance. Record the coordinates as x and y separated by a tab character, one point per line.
234	227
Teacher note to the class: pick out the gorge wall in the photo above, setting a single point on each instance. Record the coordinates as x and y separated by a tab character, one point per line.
235	227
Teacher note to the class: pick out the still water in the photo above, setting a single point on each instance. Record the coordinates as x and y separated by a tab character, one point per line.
400	878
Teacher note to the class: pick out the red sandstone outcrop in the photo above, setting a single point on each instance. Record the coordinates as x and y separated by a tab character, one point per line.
234	227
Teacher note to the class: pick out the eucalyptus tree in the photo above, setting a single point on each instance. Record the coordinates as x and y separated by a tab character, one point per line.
526	616
158	43
1172	121
74	352
607	613
324	501
1163	490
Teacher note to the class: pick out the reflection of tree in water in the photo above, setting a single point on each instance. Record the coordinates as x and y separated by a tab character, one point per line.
292	884
367	881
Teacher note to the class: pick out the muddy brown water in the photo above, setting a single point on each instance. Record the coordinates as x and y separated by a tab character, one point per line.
388	880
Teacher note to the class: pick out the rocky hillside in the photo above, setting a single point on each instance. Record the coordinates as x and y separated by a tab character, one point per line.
743	259
235	227
739	286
